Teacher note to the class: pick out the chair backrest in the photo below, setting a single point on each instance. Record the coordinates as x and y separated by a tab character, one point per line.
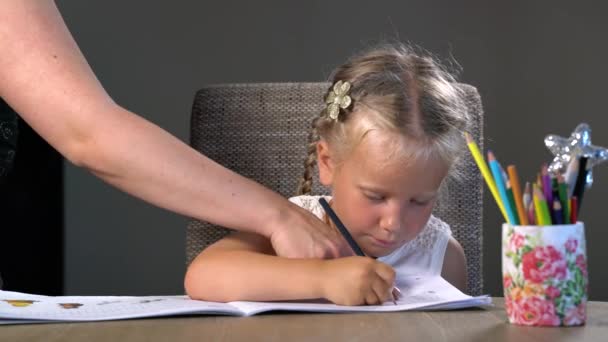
261	130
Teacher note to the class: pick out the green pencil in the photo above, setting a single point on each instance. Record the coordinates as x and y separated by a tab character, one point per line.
511	199
541	207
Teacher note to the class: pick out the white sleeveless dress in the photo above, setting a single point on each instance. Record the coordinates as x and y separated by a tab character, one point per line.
420	256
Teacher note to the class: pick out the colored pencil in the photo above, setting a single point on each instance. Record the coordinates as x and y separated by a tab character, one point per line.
570	175
554	187
485	172
537	209
511	198
558	214
554	198
562	189
528	204
579	187
521	209
527	197
498	179
573	209
547	189
531	214
542	211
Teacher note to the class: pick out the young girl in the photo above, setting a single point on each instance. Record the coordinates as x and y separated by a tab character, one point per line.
392	130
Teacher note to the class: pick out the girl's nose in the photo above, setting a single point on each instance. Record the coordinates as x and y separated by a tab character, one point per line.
391	220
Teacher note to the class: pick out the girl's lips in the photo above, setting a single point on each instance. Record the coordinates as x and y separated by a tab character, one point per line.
383	243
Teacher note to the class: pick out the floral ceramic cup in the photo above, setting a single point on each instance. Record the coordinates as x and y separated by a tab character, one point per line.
544	271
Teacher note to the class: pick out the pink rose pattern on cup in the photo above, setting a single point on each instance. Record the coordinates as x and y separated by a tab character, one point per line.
550	287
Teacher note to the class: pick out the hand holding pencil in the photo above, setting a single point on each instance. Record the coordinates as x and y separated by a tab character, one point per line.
371	268
356	280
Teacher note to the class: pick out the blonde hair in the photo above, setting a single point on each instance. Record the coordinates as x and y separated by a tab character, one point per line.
408	92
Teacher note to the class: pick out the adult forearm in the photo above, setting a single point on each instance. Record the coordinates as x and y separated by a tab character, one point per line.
242	275
46	79
147	162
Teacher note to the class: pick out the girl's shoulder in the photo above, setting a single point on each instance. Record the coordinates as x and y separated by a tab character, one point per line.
424	254
310	203
435	229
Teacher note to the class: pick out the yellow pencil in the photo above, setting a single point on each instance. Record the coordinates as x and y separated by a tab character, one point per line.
537	207
485	172
542	209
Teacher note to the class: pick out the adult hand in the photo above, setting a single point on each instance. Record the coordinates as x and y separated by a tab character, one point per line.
302	235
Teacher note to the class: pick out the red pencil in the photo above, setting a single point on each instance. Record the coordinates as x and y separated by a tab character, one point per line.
573	209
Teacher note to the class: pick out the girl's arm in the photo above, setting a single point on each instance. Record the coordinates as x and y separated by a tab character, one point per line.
243	266
455	265
45	78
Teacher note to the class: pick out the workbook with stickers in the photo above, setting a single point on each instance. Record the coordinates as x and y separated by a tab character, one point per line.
418	293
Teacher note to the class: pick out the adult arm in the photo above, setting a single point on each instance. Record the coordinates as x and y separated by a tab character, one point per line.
46	79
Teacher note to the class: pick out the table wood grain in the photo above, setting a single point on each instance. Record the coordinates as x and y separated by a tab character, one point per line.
488	324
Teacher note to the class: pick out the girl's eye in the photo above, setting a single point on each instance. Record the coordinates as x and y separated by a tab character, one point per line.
374	198
420	203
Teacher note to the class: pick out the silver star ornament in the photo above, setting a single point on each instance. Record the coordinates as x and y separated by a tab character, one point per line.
570	149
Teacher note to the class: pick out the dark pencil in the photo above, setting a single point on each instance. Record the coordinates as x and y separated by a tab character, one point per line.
332	215
341	227
579	187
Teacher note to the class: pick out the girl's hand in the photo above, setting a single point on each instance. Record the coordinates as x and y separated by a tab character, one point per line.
356	281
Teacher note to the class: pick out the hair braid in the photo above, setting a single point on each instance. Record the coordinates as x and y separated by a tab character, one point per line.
305	186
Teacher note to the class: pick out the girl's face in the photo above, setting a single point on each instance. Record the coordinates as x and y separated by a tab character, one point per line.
383	197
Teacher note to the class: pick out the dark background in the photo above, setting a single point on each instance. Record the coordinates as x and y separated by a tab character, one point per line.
539	66
31	221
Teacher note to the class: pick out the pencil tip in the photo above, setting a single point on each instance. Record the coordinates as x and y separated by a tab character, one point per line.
467	136
491	155
556	204
538	193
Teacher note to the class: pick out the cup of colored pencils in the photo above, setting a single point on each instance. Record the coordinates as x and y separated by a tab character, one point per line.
544	260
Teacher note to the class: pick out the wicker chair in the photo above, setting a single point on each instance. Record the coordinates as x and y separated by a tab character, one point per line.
260	131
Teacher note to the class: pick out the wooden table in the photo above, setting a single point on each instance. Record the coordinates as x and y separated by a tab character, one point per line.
462	325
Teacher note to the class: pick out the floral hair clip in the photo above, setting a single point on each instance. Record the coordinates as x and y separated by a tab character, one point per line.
337	99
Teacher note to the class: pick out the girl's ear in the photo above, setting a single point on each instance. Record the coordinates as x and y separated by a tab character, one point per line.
326	163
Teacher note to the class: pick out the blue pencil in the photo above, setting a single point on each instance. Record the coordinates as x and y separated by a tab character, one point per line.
500	184
558	214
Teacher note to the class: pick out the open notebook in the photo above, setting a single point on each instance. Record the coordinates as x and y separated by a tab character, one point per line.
418	293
